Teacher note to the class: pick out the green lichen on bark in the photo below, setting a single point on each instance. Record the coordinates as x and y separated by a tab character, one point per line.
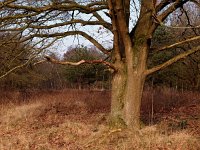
117	122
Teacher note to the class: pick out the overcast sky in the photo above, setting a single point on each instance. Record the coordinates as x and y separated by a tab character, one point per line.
102	35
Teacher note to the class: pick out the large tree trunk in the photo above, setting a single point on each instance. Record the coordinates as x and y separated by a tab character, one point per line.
128	80
126	99
119	82
127	89
133	98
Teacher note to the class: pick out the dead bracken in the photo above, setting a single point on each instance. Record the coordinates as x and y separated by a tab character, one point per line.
78	119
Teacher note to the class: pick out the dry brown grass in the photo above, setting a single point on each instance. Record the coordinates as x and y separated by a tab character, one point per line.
77	120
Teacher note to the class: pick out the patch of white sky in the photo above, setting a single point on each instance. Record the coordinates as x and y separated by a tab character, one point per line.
98	32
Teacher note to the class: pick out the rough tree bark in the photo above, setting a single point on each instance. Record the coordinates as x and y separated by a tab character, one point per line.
129	79
131	57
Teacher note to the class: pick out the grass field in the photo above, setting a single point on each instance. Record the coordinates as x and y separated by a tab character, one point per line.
78	120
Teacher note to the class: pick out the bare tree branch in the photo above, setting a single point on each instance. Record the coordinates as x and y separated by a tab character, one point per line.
195	2
18	16
172	60
178	43
39	62
80	62
69	33
30	59
70	6
170	9
82	22
13	69
162	5
115	32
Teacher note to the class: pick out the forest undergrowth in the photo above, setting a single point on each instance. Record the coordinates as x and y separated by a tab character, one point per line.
73	119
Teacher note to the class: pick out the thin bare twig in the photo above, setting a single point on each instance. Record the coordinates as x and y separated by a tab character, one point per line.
13	69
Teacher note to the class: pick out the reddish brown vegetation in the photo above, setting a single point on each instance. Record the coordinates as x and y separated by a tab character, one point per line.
77	119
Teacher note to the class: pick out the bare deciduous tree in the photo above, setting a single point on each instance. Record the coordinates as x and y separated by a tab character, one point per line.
50	20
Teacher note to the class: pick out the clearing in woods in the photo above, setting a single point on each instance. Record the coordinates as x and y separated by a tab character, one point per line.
77	120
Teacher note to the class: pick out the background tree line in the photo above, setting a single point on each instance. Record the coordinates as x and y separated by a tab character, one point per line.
48	75
185	74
